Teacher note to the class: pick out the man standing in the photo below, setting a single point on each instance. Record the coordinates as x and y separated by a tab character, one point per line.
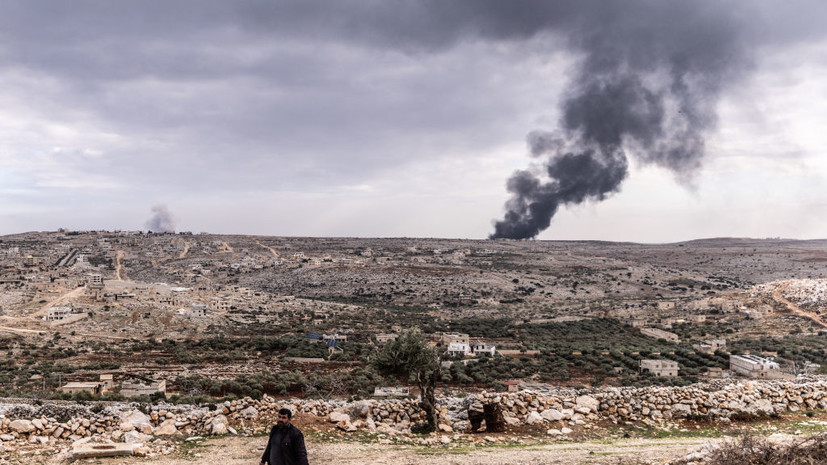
286	443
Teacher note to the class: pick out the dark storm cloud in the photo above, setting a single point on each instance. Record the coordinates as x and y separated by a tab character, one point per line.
303	94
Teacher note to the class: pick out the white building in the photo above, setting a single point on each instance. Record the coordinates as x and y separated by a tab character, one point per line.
459	348
481	348
754	366
58	313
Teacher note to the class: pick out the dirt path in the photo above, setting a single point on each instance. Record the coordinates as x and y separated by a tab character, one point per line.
778	296
118	258
247	451
12	330
74	293
272	250
184	252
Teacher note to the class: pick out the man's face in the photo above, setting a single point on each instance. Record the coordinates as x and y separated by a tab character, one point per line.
283	419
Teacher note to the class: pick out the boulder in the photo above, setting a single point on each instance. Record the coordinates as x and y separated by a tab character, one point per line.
360	409
338	417
761	406
588	402
134	437
534	418
249	412
137	418
167	428
552	414
22	426
681	410
346	425
218	429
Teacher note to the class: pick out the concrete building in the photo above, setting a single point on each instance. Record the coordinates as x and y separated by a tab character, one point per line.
660	334
459	348
754	366
659	367
137	388
95	281
710	346
480	347
386	337
58	313
92	387
198	310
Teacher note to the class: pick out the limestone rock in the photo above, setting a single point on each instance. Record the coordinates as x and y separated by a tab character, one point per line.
587	402
445	428
338	417
167	428
534	418
552	414
22	426
136	417
249	413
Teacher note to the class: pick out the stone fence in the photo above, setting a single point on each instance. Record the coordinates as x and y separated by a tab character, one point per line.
123	422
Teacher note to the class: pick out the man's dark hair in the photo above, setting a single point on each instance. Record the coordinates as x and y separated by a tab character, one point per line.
287	412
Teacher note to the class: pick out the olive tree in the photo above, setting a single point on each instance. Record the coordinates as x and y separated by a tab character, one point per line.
411	356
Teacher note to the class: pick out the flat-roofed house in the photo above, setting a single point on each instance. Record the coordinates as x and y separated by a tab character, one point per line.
660	367
754	366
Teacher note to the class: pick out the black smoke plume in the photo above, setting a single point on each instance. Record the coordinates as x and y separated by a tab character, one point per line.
161	220
650	77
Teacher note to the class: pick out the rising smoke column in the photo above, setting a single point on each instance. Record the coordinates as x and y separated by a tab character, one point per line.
650	77
161	220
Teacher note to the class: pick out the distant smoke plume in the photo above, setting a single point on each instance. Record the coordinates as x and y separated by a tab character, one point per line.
161	220
650	77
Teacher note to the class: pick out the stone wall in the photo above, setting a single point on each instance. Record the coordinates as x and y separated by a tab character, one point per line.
63	423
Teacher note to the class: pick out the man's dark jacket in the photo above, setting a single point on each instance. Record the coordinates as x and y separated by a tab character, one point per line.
292	447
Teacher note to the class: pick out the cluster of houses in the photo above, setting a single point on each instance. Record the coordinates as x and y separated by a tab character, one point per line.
459	345
747	365
105	384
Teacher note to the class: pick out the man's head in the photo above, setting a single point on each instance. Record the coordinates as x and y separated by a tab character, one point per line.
284	417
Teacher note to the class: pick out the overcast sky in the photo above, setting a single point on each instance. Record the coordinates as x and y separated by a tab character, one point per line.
407	118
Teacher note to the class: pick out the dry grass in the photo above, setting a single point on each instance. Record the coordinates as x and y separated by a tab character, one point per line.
756	450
